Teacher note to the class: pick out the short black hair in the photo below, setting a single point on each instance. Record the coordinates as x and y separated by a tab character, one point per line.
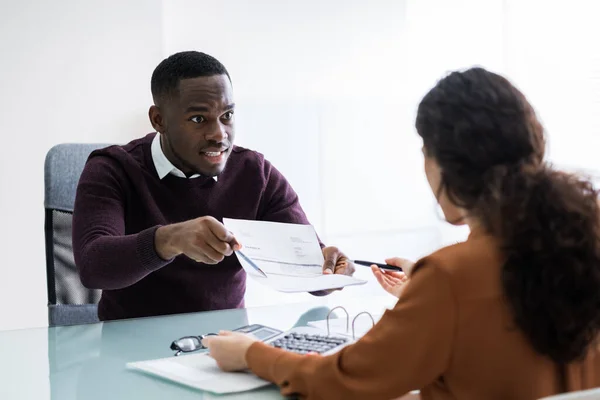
183	65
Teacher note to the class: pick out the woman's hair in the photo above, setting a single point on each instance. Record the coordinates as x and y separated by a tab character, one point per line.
489	145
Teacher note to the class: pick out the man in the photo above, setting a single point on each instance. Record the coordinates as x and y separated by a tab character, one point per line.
147	221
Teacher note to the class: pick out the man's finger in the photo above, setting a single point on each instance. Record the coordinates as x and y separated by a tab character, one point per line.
339	267
344	268
220	247
219	230
199	256
211	253
331	257
202	252
225	236
235	245
329	265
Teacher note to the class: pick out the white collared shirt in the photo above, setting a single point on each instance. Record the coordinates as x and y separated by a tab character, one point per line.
162	164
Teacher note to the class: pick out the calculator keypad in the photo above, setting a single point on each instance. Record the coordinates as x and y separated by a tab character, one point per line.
303	343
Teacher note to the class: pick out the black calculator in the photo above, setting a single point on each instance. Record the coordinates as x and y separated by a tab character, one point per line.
301	340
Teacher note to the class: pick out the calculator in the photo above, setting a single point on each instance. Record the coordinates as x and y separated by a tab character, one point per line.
260	332
301	340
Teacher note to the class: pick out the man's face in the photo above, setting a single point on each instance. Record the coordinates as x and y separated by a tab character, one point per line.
197	125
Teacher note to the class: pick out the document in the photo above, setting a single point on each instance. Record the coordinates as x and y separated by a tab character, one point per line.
362	325
199	371
285	257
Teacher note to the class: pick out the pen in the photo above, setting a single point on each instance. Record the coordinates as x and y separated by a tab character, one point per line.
252	264
382	266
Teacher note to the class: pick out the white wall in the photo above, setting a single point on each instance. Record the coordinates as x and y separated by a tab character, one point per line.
556	63
327	90
71	71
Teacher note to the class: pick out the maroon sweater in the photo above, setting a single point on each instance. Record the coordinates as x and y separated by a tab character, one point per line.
121	202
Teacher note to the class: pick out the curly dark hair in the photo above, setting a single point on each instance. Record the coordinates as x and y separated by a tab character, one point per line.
489	145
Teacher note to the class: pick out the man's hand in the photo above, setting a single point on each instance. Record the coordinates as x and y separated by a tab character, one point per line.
203	239
336	262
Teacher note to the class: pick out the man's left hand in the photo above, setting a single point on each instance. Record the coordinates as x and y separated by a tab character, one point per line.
336	262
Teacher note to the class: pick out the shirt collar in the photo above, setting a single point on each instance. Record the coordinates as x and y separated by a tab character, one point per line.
162	164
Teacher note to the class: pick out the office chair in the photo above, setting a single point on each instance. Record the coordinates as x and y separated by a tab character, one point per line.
69	302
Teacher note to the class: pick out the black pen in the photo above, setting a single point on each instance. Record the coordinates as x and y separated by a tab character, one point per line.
382	266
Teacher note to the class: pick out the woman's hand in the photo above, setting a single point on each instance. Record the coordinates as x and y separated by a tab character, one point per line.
393	282
229	349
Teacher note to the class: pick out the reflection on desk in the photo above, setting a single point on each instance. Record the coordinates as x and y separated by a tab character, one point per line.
89	361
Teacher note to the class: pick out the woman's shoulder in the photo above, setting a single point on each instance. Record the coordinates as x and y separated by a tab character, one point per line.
478	255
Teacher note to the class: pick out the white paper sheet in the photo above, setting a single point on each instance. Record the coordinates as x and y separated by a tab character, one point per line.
199	371
289	255
338	325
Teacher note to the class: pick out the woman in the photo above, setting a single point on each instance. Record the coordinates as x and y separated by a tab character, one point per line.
513	312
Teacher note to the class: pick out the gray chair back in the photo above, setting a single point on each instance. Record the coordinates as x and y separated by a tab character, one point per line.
69	302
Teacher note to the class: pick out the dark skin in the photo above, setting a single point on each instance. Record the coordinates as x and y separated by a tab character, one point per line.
197	129
195	121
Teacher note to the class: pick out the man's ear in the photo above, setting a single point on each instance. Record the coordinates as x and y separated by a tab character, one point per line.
156	118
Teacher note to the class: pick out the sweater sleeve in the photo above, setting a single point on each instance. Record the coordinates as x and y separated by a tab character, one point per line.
105	256
407	349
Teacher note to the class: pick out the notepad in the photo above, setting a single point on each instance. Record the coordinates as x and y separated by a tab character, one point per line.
200	371
289	255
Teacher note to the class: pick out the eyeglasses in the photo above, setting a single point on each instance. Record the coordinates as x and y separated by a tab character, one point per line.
187	344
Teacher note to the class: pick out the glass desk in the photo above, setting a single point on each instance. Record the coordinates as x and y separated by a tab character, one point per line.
87	362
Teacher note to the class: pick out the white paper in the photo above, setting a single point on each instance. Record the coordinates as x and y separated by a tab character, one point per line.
200	371
338	325
295	284
283	249
288	254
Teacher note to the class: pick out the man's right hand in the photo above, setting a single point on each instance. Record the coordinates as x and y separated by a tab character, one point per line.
203	239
